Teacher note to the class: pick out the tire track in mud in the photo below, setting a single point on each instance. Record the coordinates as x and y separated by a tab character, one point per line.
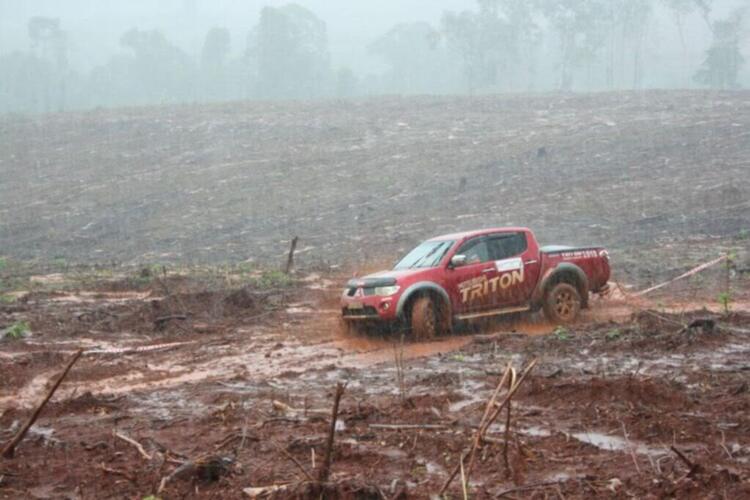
252	364
270	353
265	357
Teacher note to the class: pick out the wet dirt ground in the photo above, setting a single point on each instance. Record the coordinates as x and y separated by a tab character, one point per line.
238	380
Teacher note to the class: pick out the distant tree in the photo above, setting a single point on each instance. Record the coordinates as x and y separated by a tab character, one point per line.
24	86
524	38
581	27
723	59
414	55
680	9
481	39
161	71
346	83
50	43
496	43
216	47
290	48
214	71
625	29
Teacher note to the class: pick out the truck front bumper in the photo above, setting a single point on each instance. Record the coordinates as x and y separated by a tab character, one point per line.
372	308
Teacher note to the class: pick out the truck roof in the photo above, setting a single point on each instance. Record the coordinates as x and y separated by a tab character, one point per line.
479	232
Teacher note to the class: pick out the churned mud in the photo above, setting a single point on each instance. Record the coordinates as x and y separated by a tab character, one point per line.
234	382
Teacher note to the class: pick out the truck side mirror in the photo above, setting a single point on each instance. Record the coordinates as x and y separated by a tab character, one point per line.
458	260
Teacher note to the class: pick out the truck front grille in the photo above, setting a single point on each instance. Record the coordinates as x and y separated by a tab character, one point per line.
368	311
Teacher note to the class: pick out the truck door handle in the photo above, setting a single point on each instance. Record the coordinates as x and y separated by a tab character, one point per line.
490	270
529	262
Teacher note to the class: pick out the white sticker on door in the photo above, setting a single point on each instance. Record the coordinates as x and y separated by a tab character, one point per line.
509	264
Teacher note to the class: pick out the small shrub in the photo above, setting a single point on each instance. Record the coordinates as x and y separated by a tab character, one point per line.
613	334
273	279
3	263
725	299
561	333
245	267
17	330
744	234
7	299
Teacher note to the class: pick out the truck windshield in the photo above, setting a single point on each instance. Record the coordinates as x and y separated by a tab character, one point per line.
428	254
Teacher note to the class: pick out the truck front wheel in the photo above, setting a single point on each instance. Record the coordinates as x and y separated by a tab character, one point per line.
424	319
562	303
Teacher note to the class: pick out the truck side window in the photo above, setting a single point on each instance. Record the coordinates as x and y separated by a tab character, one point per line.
475	250
504	246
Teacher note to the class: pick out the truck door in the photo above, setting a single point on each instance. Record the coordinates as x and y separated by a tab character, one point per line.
468	283
517	268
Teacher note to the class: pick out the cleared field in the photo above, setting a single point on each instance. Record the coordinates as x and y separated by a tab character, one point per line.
360	181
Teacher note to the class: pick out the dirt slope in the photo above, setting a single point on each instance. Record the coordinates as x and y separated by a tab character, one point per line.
644	173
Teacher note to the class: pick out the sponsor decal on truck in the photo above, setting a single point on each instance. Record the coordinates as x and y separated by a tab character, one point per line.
481	287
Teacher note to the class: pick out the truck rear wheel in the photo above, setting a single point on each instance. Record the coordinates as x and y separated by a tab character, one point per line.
562	304
424	319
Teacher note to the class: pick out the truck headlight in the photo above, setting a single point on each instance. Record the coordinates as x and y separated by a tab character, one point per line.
386	291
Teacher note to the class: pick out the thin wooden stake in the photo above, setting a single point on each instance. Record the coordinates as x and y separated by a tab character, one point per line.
290	257
9	450
326	466
294	461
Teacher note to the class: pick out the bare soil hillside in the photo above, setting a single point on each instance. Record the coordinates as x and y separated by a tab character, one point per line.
660	177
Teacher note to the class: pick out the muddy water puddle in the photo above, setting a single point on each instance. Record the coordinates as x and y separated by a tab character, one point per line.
608	442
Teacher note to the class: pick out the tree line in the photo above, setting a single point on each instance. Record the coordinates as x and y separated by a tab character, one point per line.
496	46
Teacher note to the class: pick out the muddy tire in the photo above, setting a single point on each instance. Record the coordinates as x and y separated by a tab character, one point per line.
562	303
424	319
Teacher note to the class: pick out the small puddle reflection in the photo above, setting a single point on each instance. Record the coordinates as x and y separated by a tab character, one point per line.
614	443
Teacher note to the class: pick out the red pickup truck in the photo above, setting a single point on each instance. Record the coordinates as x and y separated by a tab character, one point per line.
477	274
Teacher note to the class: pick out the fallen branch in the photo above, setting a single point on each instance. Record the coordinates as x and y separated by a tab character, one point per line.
134	443
263	491
326	466
117	472
407	426
10	448
207	466
294	461
694	468
630	447
526	488
163	319
493	410
682	276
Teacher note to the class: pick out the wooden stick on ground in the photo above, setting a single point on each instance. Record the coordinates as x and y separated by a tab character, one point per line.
488	422
117	472
294	461
10	448
135	443
508	377
325	468
408	426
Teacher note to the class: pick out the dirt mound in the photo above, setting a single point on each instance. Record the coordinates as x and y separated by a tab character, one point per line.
600	391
